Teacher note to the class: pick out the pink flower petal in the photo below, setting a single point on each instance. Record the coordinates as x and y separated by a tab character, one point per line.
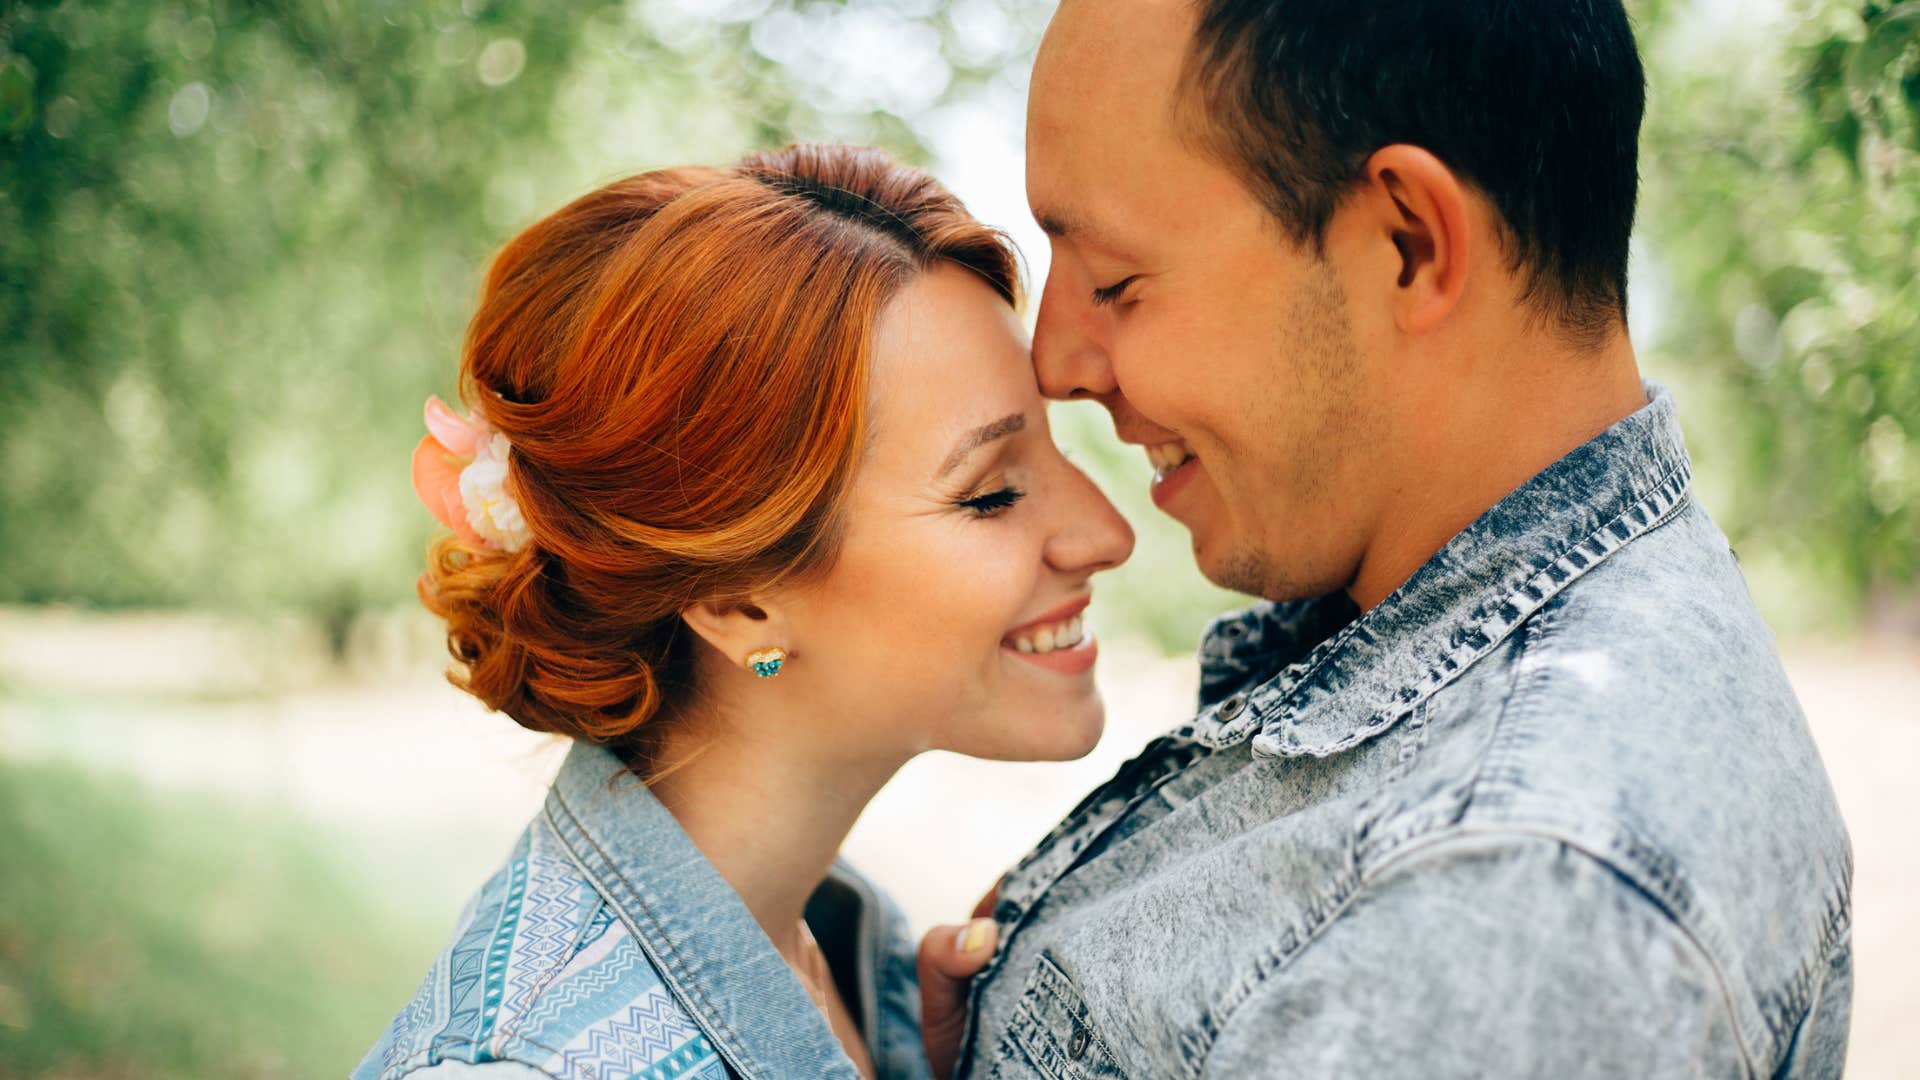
436	479
459	435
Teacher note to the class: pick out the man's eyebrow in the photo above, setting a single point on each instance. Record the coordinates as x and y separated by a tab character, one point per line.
980	436
1063	226
1053	224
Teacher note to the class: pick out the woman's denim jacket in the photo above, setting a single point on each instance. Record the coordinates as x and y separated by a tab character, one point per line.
608	946
1550	810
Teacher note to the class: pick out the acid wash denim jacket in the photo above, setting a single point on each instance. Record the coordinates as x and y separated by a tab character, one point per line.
609	947
1550	810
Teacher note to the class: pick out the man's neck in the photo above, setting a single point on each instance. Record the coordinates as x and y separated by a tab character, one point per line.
1526	417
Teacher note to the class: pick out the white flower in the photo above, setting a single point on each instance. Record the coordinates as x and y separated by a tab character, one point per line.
491	511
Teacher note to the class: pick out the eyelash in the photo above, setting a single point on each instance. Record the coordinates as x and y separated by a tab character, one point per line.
1111	294
993	503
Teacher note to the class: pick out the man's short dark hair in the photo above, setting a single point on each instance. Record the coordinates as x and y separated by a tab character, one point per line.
1535	102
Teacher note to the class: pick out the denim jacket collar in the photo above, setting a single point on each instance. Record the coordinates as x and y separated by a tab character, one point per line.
1348	679
716	960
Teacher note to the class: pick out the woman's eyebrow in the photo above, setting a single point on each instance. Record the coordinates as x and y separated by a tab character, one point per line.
981	436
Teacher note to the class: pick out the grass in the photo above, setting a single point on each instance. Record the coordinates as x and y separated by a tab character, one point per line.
149	934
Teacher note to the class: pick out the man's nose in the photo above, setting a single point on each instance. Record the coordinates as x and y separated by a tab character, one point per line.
1067	359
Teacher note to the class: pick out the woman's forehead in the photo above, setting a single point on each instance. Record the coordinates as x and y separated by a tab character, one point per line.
949	358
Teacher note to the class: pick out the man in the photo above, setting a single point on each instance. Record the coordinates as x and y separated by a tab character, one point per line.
1505	778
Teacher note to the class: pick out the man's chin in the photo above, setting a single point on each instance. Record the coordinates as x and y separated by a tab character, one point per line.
1248	570
1228	566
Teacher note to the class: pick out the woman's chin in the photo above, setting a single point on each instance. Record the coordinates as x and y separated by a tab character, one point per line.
1068	733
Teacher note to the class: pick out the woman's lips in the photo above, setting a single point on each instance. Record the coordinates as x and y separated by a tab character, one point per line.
1057	641
1075	660
1057	614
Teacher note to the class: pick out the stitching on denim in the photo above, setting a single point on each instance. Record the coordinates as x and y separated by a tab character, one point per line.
1377	822
1324	910
1512	729
1646	865
418	1059
1786	1008
1413	742
511	1026
1050	980
1670	491
1655	887
555	800
1001	1059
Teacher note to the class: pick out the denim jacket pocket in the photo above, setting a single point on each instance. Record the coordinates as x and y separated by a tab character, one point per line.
1052	1035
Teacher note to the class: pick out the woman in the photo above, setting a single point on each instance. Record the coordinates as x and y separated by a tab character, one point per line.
758	502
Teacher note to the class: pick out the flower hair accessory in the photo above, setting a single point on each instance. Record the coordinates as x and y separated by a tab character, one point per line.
460	472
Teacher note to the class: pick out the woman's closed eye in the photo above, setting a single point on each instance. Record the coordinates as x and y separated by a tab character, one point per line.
992	503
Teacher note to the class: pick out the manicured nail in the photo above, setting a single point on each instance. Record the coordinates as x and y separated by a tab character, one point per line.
973	936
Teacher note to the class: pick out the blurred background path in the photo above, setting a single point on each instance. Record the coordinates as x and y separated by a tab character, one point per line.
300	853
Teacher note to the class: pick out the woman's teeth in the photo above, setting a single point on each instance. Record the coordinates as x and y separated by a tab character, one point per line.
1167	457
1045	639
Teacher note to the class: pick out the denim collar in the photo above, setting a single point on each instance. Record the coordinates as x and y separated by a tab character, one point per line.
1347	679
715	959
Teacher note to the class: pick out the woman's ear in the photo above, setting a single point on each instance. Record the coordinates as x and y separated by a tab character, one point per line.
737	628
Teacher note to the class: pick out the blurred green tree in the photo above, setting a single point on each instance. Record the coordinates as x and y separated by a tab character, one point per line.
1781	218
238	242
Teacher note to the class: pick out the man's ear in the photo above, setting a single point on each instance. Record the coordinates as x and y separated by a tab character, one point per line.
737	628
1420	206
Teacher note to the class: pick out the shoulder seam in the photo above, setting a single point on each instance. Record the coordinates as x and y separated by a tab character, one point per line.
417	1061
1216	1023
509	1026
1497	764
1629	877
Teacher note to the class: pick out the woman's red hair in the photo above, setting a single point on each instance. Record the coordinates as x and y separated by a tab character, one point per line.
680	361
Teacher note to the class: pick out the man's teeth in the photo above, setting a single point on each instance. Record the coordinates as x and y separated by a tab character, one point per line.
1167	457
1046	639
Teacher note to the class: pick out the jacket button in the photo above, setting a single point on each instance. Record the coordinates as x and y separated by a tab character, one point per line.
1077	1045
1232	707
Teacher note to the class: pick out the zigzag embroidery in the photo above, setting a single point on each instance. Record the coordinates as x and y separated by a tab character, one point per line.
654	1032
694	1061
548	922
413	1017
466	957
602	918
501	948
580	985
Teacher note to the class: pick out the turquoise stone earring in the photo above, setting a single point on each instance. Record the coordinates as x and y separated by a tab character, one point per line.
766	663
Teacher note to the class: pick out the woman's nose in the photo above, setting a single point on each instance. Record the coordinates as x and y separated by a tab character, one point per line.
1091	535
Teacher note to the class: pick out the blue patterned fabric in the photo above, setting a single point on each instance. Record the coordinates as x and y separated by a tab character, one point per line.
608	947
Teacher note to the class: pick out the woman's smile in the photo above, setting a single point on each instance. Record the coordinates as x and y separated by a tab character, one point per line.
1057	641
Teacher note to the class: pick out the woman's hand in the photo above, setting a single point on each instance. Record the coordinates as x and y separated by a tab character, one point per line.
949	958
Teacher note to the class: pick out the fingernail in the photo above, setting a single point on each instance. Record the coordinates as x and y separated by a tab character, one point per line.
973	937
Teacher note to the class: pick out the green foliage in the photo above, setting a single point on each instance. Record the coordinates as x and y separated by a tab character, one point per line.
238	243
1782	218
239	238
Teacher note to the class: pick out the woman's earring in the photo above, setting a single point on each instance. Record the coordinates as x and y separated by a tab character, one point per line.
766	663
